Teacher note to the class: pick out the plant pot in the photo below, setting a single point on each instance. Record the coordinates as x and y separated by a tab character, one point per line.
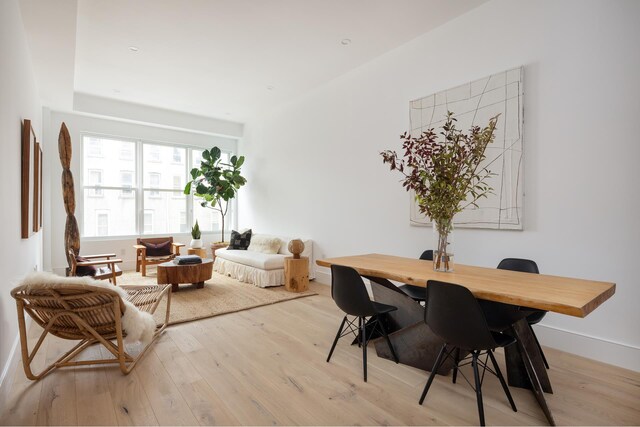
196	243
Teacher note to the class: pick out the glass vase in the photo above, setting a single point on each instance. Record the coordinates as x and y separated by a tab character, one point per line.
443	254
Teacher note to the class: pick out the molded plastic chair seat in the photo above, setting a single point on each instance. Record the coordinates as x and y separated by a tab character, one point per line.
502	340
454	315
417	293
535	317
350	294
500	317
383	308
414	292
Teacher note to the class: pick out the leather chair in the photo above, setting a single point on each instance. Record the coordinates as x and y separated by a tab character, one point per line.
155	250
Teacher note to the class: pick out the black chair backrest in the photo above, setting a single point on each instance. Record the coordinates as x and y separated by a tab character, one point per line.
349	291
453	313
518	264
501	316
427	255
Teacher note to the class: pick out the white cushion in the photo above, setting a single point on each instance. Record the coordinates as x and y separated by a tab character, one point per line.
253	259
265	244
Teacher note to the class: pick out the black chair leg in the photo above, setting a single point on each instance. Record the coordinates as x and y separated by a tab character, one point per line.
363	340
502	381
476	375
335	341
433	374
384	332
359	331
456	359
544	359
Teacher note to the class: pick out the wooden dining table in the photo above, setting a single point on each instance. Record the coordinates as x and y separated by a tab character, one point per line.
417	345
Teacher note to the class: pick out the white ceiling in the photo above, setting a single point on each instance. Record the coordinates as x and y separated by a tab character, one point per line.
217	58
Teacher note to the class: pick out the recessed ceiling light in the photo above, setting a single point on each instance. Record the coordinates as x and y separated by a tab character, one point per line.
270	87
116	91
133	48
345	42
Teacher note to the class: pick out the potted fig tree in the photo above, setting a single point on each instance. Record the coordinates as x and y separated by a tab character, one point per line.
216	183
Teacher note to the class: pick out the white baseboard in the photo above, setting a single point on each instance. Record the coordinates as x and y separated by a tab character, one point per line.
7	368
602	350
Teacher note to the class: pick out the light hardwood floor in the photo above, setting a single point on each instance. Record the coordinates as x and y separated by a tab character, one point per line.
267	366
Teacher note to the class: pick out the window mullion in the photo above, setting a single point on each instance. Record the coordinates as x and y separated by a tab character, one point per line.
139	190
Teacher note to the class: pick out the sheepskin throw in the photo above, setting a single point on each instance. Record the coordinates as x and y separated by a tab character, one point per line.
139	325
264	244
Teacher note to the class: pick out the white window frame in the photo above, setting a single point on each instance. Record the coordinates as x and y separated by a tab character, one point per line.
138	189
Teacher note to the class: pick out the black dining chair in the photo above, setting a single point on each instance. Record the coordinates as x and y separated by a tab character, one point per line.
453	314
501	316
417	293
350	294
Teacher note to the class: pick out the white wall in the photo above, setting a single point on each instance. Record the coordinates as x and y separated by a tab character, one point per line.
315	167
18	101
77	124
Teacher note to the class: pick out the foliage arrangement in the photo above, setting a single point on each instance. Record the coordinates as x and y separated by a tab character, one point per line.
216	183
445	174
195	231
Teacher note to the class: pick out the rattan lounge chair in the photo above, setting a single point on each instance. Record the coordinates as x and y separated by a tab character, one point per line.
91	314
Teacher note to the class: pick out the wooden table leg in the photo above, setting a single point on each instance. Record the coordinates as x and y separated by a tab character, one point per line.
175	287
199	285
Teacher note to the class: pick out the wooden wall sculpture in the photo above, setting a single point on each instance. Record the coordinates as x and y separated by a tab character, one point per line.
71	232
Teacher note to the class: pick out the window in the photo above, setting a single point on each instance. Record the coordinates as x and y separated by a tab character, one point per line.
148	222
154	154
102	223
177	155
132	188
177	182
94	147
184	227
108	203
126	181
154	182
95	181
126	151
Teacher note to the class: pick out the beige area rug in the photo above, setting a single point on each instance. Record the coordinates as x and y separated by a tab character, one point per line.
220	295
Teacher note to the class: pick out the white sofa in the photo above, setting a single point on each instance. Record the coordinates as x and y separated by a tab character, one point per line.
258	268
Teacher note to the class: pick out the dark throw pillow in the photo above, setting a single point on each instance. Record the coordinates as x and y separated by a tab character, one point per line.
84	270
240	241
158	249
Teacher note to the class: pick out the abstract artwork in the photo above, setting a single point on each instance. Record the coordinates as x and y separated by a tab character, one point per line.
474	103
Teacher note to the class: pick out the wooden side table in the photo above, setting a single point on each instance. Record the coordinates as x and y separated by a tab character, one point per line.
201	252
296	274
216	246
